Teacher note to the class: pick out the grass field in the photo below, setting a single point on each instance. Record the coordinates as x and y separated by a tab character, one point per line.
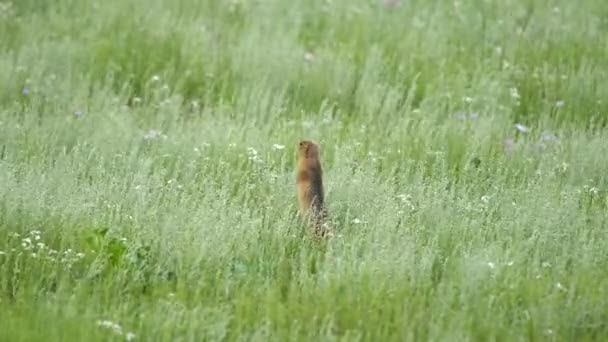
147	170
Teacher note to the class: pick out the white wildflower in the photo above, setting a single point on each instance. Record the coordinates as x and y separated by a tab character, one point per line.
153	134
278	147
407	200
491	265
155	78
522	128
26	243
559	104
253	155
116	328
309	57
129	336
546	264
356	221
514	93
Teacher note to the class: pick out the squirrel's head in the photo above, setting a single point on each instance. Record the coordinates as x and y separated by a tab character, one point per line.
308	149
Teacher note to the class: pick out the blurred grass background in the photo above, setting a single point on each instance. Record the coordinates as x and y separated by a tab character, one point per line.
147	183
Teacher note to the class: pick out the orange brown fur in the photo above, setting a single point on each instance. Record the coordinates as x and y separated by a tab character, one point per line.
309	183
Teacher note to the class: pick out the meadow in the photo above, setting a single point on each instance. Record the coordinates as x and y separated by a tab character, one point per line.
147	186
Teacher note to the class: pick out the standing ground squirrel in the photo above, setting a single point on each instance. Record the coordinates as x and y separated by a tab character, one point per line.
309	184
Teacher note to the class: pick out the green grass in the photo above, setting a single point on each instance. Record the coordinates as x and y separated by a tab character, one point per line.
147	170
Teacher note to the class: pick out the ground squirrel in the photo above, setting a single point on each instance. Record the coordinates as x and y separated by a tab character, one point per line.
309	184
